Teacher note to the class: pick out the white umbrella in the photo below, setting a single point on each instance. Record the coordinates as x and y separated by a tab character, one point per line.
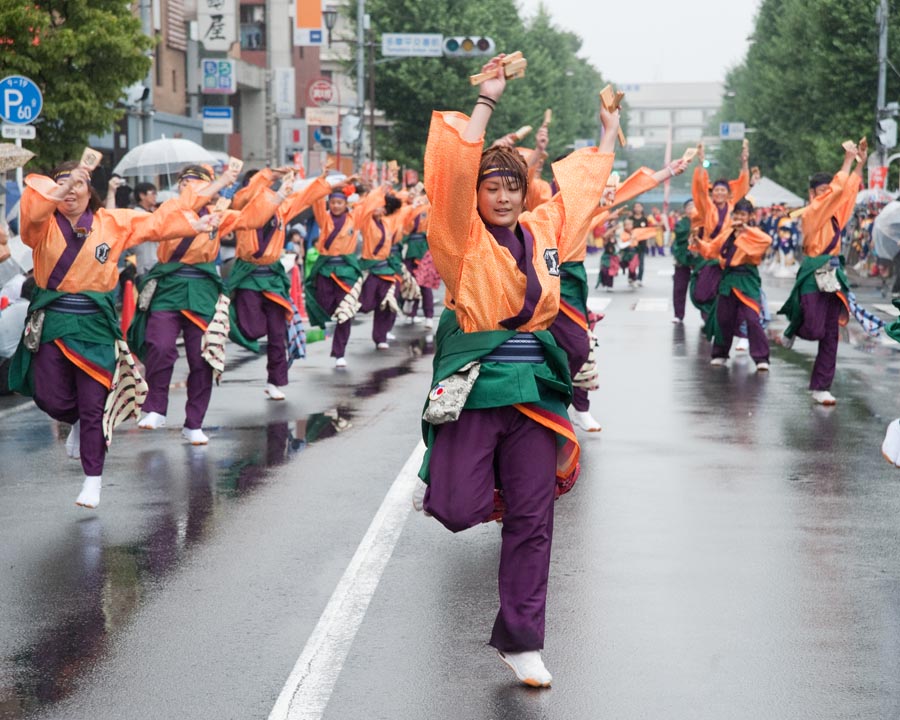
166	155
874	196
886	231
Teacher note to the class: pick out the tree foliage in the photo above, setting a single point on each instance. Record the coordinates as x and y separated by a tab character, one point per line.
409	89
808	83
82	54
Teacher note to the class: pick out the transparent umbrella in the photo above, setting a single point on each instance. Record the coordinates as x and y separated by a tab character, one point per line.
886	231
163	156
12	156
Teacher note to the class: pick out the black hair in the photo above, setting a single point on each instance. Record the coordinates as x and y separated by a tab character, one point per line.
142	188
687	202
743	205
820	178
247	176
722	181
392	204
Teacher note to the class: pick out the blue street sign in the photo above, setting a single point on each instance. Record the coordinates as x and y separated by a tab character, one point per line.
21	101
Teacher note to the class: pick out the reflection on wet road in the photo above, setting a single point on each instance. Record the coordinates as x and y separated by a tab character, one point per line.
92	587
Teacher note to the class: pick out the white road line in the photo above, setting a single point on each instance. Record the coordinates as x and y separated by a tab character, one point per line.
20	408
308	688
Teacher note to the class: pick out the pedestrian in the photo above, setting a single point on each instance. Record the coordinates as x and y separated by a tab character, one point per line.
505	382
72	357
181	295
145	253
640	221
818	304
739	298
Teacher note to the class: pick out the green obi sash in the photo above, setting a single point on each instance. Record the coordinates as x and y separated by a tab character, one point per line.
242	278
347	272
176	293
416	246
805	284
573	286
680	251
93	337
375	267
546	386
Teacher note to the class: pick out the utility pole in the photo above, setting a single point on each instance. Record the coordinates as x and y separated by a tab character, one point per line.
371	98
360	76
881	17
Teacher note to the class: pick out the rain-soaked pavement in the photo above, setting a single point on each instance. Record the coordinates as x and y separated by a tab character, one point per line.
730	550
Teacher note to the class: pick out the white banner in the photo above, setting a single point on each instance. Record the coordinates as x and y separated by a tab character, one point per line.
284	91
321	116
217	21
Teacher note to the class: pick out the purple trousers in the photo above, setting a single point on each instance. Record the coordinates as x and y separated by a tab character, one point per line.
374	290
160	355
427	294
68	394
730	313
329	295
821	322
466	457
574	339
680	283
257	317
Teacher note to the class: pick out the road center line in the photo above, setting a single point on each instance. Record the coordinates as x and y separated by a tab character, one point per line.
308	688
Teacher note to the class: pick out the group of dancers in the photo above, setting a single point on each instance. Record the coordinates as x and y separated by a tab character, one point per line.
77	365
513	348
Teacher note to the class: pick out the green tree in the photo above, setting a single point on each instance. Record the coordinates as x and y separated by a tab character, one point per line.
82	54
408	90
808	83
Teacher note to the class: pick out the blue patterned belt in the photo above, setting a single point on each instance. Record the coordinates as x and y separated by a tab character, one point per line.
417	236
380	265
74	305
337	260
265	270
521	348
190	272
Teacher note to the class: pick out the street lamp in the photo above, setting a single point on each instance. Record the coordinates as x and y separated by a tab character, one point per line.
329	15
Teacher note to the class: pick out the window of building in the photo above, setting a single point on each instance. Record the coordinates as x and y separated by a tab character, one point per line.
253	27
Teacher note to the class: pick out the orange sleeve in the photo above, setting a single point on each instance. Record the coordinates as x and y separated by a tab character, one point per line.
581	178
844	210
739	187
260	180
36	209
700	192
298	201
254	215
637	183
539	190
821	208
451	175
752	245
168	222
710	249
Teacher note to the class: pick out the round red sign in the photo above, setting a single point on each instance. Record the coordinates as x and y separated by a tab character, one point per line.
321	92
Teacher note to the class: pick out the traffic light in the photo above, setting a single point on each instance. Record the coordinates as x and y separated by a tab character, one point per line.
886	130
468	46
324	137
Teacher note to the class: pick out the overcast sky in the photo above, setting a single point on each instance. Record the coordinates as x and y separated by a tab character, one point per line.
656	40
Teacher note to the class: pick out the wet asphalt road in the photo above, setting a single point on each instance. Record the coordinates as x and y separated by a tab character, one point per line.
730	550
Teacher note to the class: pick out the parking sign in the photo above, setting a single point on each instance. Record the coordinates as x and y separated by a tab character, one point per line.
21	101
